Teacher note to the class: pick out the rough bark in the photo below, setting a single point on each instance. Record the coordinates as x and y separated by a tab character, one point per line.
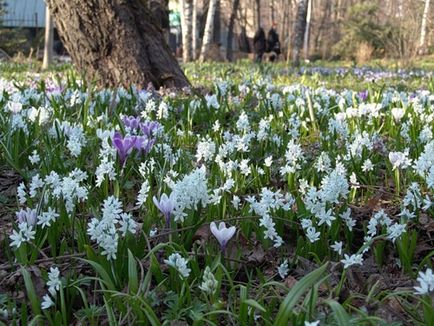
229	50
48	42
298	31
208	33
117	42
186	28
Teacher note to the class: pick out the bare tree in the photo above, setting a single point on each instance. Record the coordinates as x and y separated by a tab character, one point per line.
208	33
117	42
422	46
195	30
298	31
48	44
186	28
234	9
307	30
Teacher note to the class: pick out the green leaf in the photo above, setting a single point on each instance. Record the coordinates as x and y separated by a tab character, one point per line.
295	294
255	304
105	277
339	313
31	293
133	281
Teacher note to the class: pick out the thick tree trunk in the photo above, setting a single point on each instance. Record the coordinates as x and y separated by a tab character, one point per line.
422	46
117	42
298	31
208	33
186	28
230	40
48	44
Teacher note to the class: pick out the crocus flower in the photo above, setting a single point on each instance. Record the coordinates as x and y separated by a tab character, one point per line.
363	95
149	127
222	233
29	216
166	205
124	146
131	122
144	144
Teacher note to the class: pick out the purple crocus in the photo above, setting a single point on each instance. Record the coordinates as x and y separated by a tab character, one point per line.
29	216
124	145
363	95
144	144
166	205
131	122
149	127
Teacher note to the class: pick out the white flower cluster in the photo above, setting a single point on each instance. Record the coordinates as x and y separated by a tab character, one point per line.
268	203
176	261
189	192
74	133
206	149
106	230
294	156
209	282
426	282
107	155
54	284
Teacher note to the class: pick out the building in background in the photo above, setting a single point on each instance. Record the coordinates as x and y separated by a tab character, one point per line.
24	14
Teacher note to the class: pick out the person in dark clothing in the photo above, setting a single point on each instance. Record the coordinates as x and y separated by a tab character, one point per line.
259	44
273	43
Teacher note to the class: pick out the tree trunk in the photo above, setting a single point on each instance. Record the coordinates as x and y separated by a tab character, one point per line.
195	32
208	33
258	13
117	42
186	28
298	31
422	46
229	52
48	45
307	30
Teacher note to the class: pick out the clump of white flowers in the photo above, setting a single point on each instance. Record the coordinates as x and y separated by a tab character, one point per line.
426	282
209	283
54	284
176	261
189	192
105	231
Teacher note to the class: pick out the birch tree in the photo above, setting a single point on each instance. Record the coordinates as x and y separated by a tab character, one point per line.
422	46
208	33
48	44
186	28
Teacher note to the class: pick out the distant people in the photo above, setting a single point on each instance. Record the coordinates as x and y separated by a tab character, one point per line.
259	44
273	43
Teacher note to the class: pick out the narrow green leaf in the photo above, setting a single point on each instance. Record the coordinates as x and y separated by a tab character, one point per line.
31	293
295	294
339	313
133	281
105	277
255	304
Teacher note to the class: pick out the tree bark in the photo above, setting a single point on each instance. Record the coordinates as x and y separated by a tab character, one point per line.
422	46
208	33
48	44
298	31
195	31
117	42
229	51
186	28
307	30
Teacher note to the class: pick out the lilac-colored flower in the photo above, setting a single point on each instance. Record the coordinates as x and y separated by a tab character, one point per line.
363	95
149	127
131	122
124	145
29	216
166	205
144	143
222	233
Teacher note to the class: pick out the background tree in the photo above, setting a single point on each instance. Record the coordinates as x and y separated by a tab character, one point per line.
209	30
48	42
116	41
299	30
186	28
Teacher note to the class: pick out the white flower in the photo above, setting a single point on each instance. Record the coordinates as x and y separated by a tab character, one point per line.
236	202
21	193
222	233
143	193
352	260
179	263
209	282
47	217
311	323
394	231
337	247
268	161
283	269
367	166
397	114
54	282
312	235
399	160
426	282
46	302
34	158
